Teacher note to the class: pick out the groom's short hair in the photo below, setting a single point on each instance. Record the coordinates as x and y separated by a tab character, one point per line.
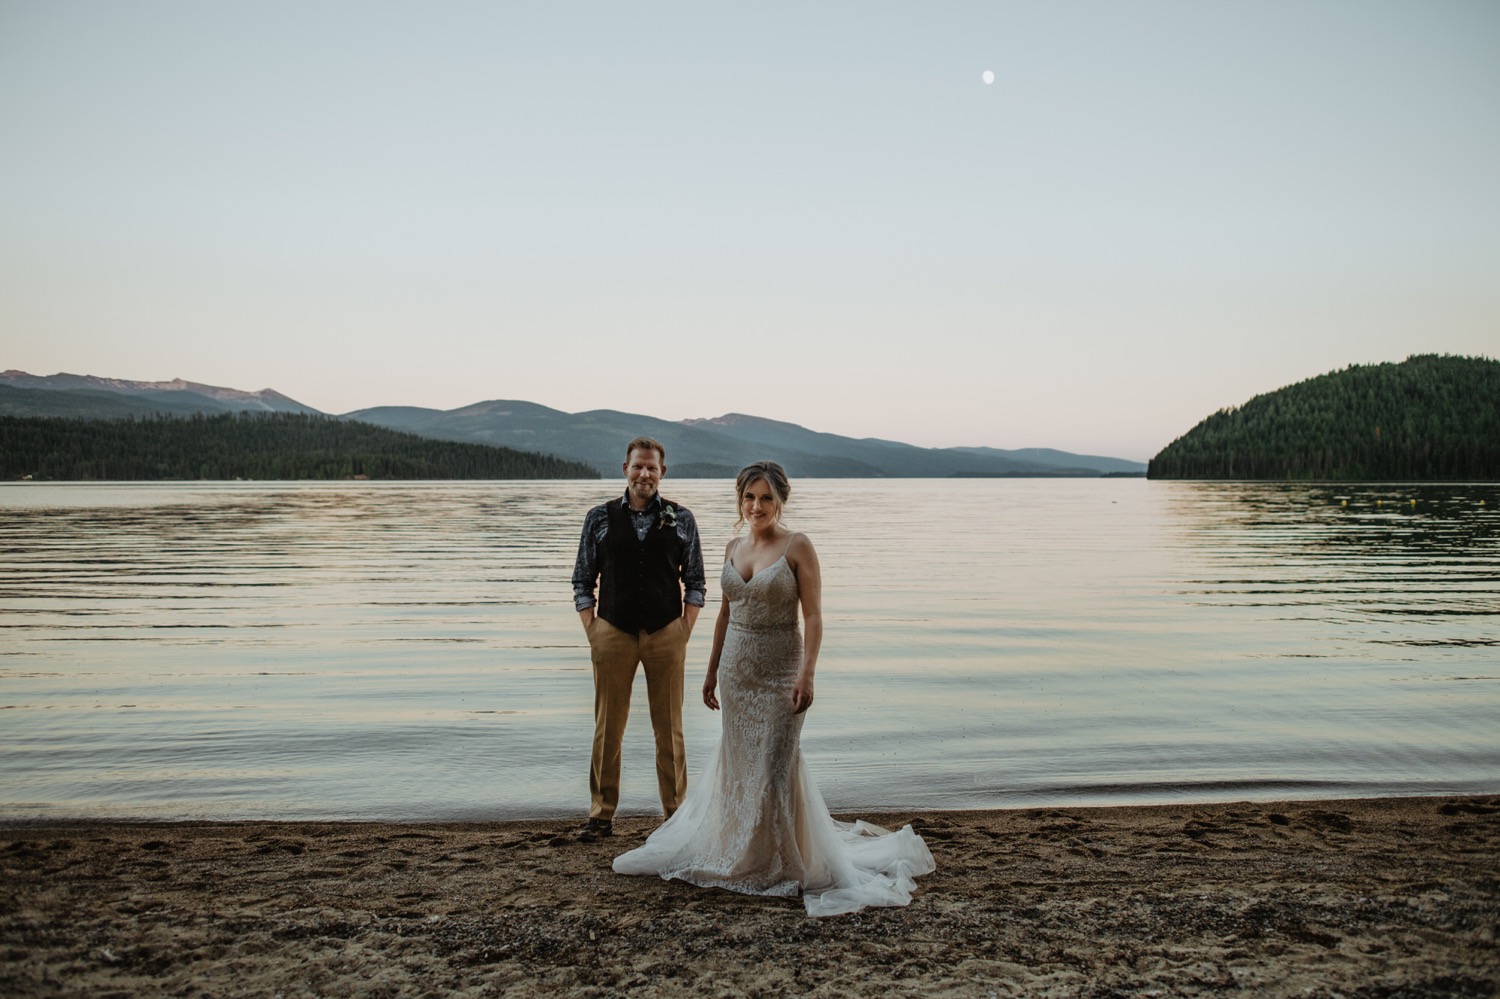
647	444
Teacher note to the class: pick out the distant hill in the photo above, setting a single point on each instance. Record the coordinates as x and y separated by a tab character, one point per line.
895	458
176	395
595	437
102	404
706	448
718	447
251	446
1428	417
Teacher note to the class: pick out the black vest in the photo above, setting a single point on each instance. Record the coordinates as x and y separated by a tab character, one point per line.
640	582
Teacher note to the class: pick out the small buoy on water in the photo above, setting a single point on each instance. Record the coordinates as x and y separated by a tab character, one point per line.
1343	502
1413	502
1380	502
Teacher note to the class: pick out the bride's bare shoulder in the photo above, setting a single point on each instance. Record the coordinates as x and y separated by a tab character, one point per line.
800	548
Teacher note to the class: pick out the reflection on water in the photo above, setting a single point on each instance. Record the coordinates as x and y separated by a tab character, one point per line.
409	649
1423	555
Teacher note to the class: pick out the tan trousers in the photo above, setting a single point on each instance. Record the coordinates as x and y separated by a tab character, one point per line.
615	654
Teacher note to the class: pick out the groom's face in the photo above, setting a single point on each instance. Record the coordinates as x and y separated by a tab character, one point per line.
643	472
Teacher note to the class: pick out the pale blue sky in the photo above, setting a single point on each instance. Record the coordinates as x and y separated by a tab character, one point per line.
813	212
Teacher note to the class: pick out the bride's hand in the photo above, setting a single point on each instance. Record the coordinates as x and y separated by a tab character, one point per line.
709	683
802	694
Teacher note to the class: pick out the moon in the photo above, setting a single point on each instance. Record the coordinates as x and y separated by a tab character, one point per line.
988	76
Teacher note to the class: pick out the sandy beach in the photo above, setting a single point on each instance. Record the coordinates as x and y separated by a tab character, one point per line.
1364	898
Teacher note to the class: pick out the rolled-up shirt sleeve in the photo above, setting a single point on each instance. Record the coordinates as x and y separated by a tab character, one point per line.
694	582
586	567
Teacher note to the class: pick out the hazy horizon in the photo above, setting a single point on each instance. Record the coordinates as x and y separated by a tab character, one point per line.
709	418
821	215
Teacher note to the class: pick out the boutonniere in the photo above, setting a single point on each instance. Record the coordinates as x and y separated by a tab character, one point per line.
668	517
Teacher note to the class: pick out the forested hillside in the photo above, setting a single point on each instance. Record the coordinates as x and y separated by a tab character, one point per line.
1428	417
253	446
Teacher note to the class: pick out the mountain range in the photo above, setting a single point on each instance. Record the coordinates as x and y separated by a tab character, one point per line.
91	396
708	448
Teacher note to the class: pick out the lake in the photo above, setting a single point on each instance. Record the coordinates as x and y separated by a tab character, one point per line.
368	650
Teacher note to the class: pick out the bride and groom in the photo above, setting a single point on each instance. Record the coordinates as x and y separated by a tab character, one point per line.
753	821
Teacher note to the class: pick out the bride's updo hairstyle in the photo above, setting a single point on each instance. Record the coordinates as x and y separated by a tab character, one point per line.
769	472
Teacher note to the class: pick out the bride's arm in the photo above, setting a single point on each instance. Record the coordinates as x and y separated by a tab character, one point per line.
804	561
721	628
711	678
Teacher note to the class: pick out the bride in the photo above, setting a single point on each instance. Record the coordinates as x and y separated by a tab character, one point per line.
754	821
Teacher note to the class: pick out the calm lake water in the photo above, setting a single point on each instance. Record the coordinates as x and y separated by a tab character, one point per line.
409	651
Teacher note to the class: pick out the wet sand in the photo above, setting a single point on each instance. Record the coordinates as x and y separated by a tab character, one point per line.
1379	899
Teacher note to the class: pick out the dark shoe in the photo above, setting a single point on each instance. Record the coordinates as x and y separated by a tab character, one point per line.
595	829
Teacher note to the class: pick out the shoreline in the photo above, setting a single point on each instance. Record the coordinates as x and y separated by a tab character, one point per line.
1375	897
575	816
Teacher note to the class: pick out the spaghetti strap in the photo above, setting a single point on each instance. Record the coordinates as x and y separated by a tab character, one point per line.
788	547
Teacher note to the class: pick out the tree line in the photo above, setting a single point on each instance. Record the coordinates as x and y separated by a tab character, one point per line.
253	446
1429	417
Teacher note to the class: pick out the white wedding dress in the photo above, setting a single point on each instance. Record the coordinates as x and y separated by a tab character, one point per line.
754	821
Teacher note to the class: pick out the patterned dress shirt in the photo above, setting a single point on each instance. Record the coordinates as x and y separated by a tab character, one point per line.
596	525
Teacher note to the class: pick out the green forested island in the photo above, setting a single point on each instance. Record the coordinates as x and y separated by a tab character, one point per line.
253	446
1428	417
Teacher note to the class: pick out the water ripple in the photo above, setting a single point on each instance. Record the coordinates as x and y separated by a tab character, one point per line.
408	650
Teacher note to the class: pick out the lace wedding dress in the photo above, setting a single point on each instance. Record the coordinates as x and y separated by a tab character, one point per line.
754	821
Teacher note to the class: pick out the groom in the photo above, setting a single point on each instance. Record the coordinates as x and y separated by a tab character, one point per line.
643	551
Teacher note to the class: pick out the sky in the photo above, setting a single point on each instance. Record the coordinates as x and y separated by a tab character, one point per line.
814	212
